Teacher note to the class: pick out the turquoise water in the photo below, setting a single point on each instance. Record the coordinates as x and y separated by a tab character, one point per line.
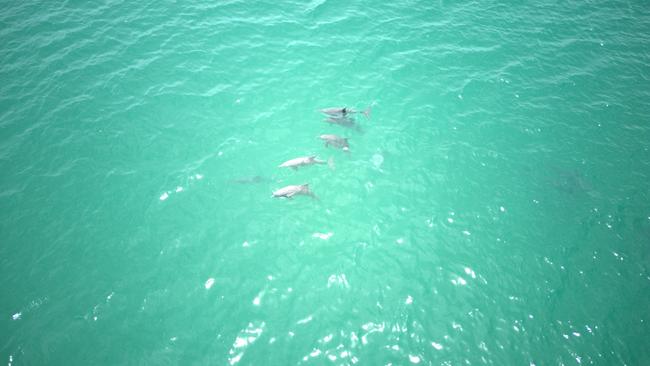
494	209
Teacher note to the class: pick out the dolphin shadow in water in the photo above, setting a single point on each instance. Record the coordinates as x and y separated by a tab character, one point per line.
572	182
256	179
344	121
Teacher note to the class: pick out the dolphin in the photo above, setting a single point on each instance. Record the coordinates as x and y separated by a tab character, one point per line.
298	162
336	141
341	120
338	111
248	180
290	191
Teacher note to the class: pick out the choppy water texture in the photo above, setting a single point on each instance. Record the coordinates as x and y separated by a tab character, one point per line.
493	210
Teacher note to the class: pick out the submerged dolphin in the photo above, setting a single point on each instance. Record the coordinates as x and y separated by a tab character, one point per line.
341	120
336	141
304	160
248	180
290	191
338	111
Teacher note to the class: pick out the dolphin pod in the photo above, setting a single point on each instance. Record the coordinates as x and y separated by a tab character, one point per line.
339	116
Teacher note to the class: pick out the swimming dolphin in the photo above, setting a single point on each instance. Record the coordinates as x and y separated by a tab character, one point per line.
297	162
338	111
290	191
341	120
248	180
336	141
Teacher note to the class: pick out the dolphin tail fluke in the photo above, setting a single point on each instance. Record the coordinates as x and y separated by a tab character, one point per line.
330	163
367	112
315	160
308	192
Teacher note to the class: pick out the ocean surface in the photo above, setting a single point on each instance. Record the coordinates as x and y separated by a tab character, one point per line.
494	209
